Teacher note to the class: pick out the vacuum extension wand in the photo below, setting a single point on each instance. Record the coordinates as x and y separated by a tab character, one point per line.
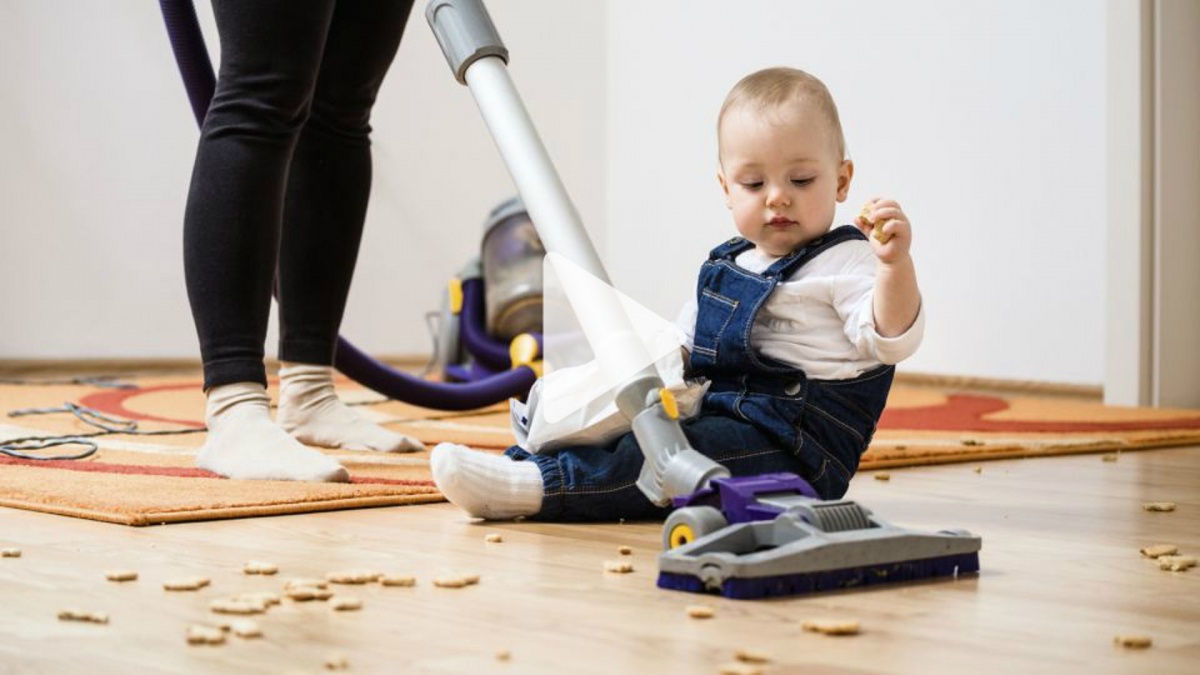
479	59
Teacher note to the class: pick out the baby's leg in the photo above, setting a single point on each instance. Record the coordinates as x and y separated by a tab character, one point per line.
310	410
572	484
484	484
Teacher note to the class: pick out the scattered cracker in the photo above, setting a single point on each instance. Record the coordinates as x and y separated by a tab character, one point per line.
493	538
398	580
205	635
345	603
1110	457
828	627
337	662
1158	506
739	668
353	577
72	614
503	655
883	476
625	550
186	584
451	582
751	656
307	593
618	566
260	567
266	598
245	628
10	553
471	579
1133	641
121	575
979	469
237	606
701	611
1160	550
1176	563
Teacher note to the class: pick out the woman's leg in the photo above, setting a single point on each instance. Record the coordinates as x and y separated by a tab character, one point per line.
327	193
270	56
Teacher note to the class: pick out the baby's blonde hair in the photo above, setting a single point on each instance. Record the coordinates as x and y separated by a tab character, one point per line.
774	88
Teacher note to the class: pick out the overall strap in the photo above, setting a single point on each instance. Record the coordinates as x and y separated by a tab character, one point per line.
730	249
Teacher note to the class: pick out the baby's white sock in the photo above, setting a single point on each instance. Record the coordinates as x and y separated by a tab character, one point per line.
244	443
486	485
310	410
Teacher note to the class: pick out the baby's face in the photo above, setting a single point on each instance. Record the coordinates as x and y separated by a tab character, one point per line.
782	175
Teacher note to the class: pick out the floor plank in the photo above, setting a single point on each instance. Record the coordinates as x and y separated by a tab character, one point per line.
1061	577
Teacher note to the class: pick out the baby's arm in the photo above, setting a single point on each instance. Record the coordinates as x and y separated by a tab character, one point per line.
896	298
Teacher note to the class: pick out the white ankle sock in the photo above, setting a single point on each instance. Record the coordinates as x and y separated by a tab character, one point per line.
487	486
310	410
244	443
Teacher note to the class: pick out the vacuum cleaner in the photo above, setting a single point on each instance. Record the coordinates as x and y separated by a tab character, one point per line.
490	345
748	537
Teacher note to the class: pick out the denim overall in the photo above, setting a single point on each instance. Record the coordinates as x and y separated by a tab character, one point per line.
827	424
759	416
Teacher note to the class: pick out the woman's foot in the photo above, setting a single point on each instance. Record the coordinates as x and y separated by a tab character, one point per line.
486	485
244	443
310	410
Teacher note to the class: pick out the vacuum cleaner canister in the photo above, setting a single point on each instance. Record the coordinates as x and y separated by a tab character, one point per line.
511	259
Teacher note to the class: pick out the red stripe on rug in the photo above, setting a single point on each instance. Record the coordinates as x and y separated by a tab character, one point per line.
112	402
173	471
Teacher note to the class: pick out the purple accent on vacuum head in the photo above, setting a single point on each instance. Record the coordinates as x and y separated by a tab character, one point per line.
737	497
832	580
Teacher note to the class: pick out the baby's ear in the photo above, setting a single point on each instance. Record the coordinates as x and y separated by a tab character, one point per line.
845	175
724	186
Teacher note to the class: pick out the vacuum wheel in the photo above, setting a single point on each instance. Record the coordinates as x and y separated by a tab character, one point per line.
690	523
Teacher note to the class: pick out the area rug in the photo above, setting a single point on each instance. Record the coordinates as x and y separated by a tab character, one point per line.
148	477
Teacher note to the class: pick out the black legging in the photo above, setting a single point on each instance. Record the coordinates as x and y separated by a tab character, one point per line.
283	174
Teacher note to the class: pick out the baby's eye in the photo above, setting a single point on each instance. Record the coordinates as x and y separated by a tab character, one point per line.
801	182
752	185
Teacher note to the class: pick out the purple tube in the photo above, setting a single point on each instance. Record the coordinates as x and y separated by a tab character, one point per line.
187	41
475	337
438	395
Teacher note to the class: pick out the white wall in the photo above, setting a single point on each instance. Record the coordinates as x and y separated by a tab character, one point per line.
97	141
984	118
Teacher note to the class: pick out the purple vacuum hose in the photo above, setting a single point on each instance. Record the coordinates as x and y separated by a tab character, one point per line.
187	41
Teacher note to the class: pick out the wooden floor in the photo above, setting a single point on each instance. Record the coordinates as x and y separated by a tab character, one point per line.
1061	577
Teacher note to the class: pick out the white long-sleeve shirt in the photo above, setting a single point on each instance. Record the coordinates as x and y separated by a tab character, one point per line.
821	319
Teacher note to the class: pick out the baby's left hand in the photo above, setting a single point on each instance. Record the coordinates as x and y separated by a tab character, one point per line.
887	228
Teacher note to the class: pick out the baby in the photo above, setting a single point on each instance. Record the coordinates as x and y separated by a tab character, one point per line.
796	325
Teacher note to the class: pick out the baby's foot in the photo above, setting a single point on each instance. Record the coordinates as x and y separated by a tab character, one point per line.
310	410
487	486
244	443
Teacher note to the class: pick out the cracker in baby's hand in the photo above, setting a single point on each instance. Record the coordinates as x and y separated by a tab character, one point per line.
877	228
